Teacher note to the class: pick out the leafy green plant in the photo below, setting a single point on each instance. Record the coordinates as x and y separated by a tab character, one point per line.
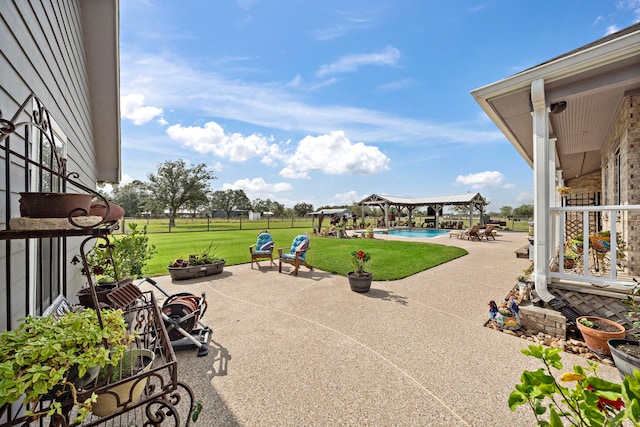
205	256
578	397
45	352
634	309
358	260
126	255
586	322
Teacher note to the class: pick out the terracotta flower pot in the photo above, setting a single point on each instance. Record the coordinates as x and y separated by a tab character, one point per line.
596	339
99	209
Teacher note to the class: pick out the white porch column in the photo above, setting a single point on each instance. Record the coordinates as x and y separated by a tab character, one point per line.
543	158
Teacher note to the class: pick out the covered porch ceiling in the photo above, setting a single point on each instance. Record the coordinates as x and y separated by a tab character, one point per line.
584	89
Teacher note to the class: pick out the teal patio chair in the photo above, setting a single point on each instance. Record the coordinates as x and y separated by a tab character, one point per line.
262	249
297	254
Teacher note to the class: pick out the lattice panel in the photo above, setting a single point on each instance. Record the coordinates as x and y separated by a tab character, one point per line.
594	305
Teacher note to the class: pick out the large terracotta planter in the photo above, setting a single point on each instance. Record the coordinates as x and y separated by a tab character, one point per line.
595	339
182	273
360	284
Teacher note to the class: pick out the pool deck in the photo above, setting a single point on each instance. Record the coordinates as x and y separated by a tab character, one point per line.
306	350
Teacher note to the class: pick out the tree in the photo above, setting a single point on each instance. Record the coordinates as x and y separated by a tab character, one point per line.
229	200
175	185
506	211
260	205
524	211
131	197
277	208
301	209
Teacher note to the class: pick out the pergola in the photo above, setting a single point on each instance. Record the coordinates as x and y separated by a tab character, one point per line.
470	200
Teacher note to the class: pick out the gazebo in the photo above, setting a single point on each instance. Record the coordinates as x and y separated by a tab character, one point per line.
437	203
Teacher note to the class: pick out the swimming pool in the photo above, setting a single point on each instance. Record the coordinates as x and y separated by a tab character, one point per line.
416	233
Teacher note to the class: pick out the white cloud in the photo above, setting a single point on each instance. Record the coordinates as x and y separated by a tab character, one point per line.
276	105
351	63
611	29
334	154
347	198
508	186
212	139
258	187
525	198
396	85
481	180
132	108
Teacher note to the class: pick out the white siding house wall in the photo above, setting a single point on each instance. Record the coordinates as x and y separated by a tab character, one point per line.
42	51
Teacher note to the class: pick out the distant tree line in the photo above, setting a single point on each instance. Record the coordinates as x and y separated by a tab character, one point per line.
177	187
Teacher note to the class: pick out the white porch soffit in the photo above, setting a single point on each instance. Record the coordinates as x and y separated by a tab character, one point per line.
592	80
100	23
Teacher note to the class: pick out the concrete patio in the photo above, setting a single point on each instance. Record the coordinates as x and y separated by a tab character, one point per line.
307	350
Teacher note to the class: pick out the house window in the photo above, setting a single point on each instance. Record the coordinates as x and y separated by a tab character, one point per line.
46	255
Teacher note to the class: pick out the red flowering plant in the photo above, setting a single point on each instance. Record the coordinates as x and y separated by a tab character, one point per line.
578	397
358	260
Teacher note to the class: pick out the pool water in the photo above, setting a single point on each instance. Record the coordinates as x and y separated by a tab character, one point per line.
416	233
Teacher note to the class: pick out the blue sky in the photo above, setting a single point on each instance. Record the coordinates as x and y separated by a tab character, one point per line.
327	102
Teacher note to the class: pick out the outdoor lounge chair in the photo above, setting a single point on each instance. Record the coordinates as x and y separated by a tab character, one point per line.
297	255
487	232
262	249
471	233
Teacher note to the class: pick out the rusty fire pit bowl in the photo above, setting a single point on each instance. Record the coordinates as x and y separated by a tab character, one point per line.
54	205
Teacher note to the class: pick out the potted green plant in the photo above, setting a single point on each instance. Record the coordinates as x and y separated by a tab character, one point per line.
203	263
360	280
578	397
369	232
48	357
116	260
626	352
570	260
119	394
596	331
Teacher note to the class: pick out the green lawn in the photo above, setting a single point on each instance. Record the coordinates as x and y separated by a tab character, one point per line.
390	260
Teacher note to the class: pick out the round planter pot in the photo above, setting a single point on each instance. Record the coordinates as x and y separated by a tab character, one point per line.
625	362
360	284
116	398
116	212
84	294
595	339
54	205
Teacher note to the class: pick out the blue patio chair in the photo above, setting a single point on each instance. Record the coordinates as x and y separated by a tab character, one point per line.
262	249
297	254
